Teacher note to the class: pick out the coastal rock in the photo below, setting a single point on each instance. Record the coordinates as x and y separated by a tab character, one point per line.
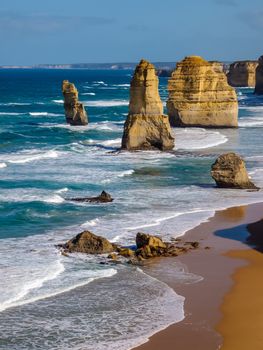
87	242
144	239
199	95
74	110
229	171
242	74
217	66
165	73
146	127
149	246
259	77
104	197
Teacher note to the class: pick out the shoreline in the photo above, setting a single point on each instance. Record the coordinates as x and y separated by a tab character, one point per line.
222	233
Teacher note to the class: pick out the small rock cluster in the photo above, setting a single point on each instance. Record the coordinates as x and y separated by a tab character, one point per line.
147	246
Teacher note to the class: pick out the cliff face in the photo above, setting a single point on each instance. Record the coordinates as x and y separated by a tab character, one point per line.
259	77
242	74
146	127
199	95
74	110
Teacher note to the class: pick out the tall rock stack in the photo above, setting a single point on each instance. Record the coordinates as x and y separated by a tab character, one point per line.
146	127
74	110
259	77
242	74
199	95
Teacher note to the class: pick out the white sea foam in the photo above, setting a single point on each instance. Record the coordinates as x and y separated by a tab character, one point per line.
46	114
58	101
25	157
11	113
62	190
106	103
114	142
197	138
15	104
99	83
3	165
89	93
56	199
126	173
29	285
251	121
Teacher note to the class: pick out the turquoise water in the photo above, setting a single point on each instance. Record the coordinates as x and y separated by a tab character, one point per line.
44	161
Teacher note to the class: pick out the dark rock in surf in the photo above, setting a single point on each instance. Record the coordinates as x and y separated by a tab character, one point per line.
104	197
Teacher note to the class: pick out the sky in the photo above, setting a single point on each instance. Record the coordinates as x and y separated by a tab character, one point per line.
100	31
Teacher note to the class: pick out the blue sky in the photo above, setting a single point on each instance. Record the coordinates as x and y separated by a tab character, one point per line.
75	31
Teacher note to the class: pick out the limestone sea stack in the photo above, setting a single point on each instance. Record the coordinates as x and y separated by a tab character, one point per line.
199	95
74	110
229	171
259	77
146	126
242	74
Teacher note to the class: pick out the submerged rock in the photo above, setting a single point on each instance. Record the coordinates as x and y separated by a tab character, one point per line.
87	242
162	72
229	171
242	74
74	110
199	95
259	77
146	127
104	197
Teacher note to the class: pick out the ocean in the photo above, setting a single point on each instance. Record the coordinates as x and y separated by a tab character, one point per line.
49	301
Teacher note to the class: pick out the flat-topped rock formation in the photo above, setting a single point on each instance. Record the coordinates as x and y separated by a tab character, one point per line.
146	127
74	110
242	74
259	77
229	171
199	95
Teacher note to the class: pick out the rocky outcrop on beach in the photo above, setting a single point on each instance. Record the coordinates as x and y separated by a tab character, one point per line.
146	127
104	197
259	77
242	74
147	247
74	110
199	95
229	171
87	242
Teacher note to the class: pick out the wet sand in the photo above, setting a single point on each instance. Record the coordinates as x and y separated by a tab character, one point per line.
223	233
242	309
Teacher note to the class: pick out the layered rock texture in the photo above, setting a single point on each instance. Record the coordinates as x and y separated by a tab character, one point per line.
74	110
259	77
242	74
146	127
199	95
229	171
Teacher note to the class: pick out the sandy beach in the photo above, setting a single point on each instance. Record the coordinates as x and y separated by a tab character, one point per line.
229	268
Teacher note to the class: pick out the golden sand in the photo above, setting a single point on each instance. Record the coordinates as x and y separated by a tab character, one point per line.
242	322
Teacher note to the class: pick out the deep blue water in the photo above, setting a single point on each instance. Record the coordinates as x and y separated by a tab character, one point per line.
44	161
